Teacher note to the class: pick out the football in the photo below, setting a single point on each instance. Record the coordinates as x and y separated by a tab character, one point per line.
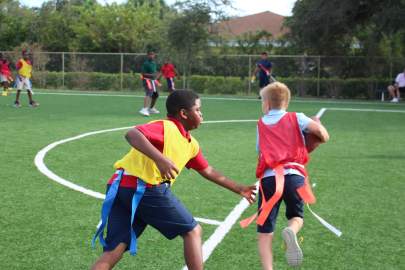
312	141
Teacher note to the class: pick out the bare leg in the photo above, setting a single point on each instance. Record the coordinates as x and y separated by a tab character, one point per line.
30	97
17	96
146	102
6	85
295	224
110	258
265	245
153	102
391	90
193	249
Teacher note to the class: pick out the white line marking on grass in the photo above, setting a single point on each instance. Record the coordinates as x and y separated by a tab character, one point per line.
209	221
88	94
212	242
98	94
40	156
320	113
366	110
39	162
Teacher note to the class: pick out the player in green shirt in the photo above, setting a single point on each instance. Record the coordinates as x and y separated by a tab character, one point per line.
150	76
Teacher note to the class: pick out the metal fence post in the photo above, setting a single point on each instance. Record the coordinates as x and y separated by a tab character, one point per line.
318	85
63	70
391	67
250	72
184	76
122	71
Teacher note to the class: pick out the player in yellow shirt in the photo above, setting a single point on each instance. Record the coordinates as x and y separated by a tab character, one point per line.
139	192
23	79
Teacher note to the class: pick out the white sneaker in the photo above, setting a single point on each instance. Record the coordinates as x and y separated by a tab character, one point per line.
144	112
153	111
394	100
293	253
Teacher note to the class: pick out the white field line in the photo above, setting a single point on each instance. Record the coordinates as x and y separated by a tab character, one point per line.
320	113
209	221
366	110
97	94
40	164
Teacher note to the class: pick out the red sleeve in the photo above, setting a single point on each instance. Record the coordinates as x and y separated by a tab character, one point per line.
154	132
18	65
197	163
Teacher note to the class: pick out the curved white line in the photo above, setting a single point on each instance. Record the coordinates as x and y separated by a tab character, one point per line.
39	163
40	156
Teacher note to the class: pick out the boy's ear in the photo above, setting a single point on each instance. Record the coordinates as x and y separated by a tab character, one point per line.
183	114
265	106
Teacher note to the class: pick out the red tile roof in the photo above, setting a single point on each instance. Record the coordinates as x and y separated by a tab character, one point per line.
268	21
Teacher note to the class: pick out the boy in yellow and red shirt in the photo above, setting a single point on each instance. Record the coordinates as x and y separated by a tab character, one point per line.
139	192
23	79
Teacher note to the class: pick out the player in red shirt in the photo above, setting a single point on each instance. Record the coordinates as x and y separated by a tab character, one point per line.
5	74
168	70
283	155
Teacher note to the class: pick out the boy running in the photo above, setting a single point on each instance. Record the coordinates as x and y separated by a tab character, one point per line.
282	157
149	78
23	79
169	71
139	192
5	74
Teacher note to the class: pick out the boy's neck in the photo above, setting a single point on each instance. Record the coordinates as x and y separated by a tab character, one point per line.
180	120
278	109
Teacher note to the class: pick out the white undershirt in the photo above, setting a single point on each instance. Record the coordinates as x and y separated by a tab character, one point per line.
400	79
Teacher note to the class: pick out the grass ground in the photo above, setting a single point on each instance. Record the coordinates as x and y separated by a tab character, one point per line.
359	175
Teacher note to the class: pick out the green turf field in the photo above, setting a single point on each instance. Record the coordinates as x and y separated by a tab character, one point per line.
360	177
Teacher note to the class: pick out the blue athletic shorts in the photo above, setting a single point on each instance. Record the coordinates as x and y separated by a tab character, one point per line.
158	208
293	202
170	83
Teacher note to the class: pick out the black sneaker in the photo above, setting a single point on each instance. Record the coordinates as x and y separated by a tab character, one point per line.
34	104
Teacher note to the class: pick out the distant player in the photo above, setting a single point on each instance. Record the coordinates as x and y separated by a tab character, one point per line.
168	70
263	70
282	157
139	192
150	82
23	79
5	74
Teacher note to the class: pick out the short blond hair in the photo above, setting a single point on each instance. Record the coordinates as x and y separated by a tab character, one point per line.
276	94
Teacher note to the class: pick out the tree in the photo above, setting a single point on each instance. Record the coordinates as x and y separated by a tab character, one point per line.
15	24
188	33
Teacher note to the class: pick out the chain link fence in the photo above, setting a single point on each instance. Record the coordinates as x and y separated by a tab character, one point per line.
320	76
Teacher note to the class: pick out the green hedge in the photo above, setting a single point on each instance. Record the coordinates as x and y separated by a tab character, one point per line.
328	87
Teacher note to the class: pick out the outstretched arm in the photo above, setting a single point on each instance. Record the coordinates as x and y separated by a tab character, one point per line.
248	192
137	140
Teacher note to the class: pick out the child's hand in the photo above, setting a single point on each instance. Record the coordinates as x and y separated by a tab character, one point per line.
167	168
249	193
